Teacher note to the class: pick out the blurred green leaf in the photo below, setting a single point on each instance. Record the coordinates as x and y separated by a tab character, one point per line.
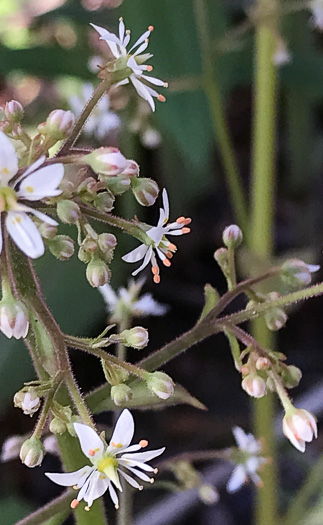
13	509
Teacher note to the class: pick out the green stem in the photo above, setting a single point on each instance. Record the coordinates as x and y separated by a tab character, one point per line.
221	128
41	516
44	413
98	93
261	238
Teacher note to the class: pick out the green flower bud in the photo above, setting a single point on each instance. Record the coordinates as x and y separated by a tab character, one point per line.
47	231
68	211
121	394
14	111
161	385
62	247
32	452
83	255
97	273
232	236
296	273
208	494
57	426
145	191
58	125
118	185
107	242
291	376
136	337
104	201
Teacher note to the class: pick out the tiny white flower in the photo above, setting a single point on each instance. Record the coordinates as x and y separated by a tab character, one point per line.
317	12
35	184
163	247
281	56
30	403
11	448
248	461
133	59
299	426
102	120
128	299
109	463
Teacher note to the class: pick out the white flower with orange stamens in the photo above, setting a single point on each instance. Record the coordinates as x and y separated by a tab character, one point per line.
163	247
134	60
35	184
109	463
248	460
300	427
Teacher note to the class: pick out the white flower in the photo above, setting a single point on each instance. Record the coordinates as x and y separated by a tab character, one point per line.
109	463
30	403
317	12
35	184
163	247
102	120
299	426
133	60
127	299
248	461
281	56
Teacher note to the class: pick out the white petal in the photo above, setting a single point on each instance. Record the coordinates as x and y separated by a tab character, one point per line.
131	463
121	30
87	485
34	166
8	160
144	456
40	215
124	430
241	437
146	260
71	478
89	441
130	480
108	295
25	234
113	495
42	183
237	479
98	487
155	81
148	306
141	48
142	91
135	255
1	238
140	474
132	448
143	37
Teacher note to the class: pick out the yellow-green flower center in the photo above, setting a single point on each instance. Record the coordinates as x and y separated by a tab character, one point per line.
8	198
107	464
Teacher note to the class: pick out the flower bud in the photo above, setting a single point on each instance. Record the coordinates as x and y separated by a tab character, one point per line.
263	363
118	185
89	244
275	319
296	273
83	255
57	426
132	169
106	161
29	402
121	394
58	125
105	201
161	385
14	111
97	273
232	236
291	376
145	191
47	231
10	448
68	211
136	337
62	247
107	242
32	452
208	494
254	385
13	318
299	426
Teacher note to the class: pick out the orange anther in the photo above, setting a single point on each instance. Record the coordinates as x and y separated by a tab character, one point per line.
155	270
172	247
156	279
113	444
169	255
92	453
143	443
186	230
150	68
181	220
161	98
151	28
188	220
167	263
74	503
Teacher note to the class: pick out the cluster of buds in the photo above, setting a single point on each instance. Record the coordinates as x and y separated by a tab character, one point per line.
63	419
275	318
57	126
12	114
116	377
97	252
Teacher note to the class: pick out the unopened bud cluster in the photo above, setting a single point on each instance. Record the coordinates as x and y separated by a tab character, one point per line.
97	252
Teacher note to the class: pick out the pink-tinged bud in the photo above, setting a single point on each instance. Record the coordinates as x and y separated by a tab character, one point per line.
121	394
161	385
299	426
62	247
29	402
105	201
232	236
47	231
297	273
254	385
106	161
13	318
145	191
97	273
263	363
14	111
107	242
58	125
132	169
68	211
32	452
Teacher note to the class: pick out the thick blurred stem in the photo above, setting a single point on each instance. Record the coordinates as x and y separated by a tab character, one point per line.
213	93
261	242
